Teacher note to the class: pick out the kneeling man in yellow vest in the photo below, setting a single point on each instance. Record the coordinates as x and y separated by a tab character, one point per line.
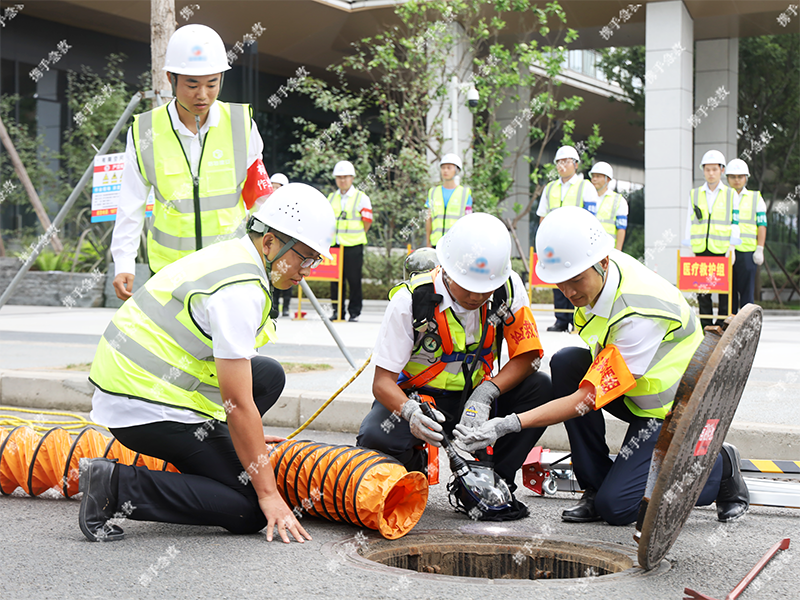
179	378
440	337
641	334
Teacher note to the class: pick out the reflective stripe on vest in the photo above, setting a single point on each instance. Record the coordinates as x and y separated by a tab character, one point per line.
573	197
349	226
714	233
190	214
642	293
453	350
154	351
443	217
607	212
748	230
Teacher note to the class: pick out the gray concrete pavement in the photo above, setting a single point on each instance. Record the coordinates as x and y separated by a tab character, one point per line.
44	555
35	342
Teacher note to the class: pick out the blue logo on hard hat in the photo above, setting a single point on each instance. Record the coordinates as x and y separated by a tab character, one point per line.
549	256
197	54
479	266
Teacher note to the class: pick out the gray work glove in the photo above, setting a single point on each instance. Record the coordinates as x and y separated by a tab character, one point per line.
479	405
486	435
423	428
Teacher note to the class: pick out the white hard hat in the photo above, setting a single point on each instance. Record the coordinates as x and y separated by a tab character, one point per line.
476	253
567	152
344	167
196	50
737	167
603	168
451	159
279	178
569	241
302	212
713	157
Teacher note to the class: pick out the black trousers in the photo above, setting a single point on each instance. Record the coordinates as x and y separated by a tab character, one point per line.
510	451
563	320
352	263
207	491
707	306
620	484
744	281
285	297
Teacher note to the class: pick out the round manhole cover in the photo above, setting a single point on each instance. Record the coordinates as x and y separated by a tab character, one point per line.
476	557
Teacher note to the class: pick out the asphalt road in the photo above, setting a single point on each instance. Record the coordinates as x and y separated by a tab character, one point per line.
44	555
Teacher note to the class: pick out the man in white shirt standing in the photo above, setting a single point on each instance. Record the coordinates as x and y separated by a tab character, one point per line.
612	208
201	157
353	212
570	189
178	378
752	231
712	226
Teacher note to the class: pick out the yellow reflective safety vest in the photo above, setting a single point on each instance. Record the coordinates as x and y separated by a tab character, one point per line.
192	212
153	350
349	226
440	366
748	225
644	294
443	217
711	232
573	197
607	212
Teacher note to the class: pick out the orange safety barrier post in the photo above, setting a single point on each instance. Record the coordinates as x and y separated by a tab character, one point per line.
352	485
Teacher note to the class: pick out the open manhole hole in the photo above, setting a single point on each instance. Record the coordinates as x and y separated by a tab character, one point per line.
447	554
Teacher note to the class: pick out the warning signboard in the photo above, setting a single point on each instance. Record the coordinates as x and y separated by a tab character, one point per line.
106	186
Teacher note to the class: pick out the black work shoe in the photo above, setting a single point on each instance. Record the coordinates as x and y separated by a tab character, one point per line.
558	327
353	318
584	511
99	502
733	498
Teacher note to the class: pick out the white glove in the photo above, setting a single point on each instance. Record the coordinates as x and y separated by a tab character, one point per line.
476	412
733	255
758	255
486	435
422	427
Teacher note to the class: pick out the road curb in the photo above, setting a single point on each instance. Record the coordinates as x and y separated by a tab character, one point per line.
71	391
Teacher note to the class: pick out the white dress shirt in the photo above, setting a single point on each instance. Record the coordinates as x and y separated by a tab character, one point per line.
231	316
637	338
395	341
134	190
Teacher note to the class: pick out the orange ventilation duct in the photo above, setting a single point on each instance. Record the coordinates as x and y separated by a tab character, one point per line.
353	485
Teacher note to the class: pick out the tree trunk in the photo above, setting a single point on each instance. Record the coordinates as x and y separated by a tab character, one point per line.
28	185
162	26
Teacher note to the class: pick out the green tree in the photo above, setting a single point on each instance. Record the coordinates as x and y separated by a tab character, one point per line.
388	126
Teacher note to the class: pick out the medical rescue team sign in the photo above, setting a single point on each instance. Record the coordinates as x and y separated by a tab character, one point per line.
106	185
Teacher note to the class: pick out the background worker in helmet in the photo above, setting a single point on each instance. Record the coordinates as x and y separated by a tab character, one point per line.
641	334
353	211
712	226
752	232
612	208
178	378
201	158
446	203
571	189
282	297
409	355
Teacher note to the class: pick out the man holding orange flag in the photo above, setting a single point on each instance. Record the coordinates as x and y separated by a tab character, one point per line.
642	335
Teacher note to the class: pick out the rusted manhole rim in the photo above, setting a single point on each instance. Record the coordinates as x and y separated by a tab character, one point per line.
362	550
